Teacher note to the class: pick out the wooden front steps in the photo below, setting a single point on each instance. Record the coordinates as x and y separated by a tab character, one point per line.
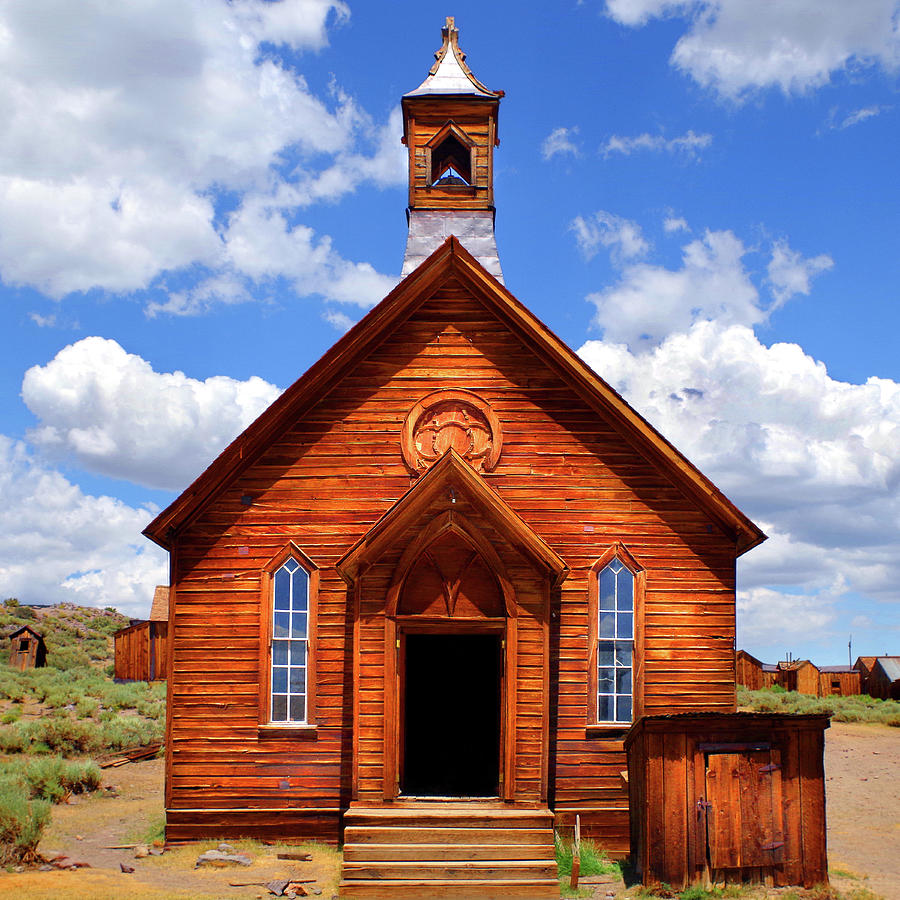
440	850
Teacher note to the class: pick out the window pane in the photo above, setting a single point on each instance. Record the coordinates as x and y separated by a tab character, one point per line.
279	709
291	565
605	653
605	680
282	623
298	709
298	625
607	589
298	653
279	681
623	681
625	625
604	708
301	590
623	709
282	589
623	653
280	653
298	681
607	624
625	594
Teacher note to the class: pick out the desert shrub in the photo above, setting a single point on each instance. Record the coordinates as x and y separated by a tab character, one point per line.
21	823
43	778
856	708
11	715
592	859
87	707
14	738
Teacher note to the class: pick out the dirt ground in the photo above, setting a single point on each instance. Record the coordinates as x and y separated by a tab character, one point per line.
862	764
862	791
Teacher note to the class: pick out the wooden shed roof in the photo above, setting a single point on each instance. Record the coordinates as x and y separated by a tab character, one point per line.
159	611
28	628
452	261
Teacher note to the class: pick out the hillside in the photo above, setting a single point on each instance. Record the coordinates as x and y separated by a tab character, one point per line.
75	636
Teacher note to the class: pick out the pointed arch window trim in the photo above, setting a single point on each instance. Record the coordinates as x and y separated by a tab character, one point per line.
451	132
288	655
621	637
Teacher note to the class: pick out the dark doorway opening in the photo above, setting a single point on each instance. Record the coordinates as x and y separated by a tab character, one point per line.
451	715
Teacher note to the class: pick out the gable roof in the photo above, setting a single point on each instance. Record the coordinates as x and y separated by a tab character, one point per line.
451	470
890	665
452	260
27	628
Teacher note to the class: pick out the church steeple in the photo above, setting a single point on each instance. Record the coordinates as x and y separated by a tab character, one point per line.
450	128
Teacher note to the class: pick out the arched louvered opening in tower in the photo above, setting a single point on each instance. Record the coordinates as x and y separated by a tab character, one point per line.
451	162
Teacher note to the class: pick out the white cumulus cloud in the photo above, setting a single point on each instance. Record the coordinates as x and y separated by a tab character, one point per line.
123	123
111	413
58	544
560	142
622	237
688	144
734	46
713	283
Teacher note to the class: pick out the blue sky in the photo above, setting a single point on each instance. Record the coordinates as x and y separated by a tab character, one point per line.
700	196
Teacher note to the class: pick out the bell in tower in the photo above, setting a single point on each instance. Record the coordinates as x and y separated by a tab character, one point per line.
450	128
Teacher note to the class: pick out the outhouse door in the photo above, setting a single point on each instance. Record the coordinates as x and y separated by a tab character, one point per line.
744	816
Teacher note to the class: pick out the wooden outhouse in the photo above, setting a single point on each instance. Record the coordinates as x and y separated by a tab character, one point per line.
26	649
424	596
728	798
142	649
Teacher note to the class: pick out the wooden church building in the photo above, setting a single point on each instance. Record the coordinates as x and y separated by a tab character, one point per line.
433	585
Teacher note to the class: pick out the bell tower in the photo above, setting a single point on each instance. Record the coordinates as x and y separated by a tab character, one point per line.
450	128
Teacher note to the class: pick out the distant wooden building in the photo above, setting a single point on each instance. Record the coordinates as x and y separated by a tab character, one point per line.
428	590
142	649
752	673
864	665
26	649
839	681
884	678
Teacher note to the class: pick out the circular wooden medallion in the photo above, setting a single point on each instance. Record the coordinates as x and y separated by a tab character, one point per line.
457	419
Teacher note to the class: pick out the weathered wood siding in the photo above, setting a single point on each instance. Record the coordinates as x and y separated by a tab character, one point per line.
141	652
325	482
728	798
749	672
839	684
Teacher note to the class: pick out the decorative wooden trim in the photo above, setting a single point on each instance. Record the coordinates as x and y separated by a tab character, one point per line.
617	551
452	476
483	459
266	600
451	259
450	521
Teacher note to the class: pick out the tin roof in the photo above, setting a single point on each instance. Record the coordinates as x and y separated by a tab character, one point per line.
837	669
450	74
890	665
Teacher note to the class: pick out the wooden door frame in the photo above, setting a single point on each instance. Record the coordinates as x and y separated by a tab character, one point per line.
396	629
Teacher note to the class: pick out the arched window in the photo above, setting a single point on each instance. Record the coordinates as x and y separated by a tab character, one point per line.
290	642
614	590
287	652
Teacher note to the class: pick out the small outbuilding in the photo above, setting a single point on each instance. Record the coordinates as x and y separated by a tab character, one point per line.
727	798
141	649
884	679
27	649
752	673
839	681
